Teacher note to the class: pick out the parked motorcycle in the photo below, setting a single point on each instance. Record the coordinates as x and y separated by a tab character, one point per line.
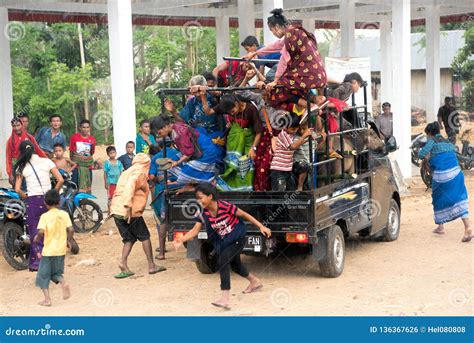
14	238
465	156
86	215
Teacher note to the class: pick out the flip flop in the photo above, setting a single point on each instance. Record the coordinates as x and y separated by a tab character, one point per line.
123	275
225	307
466	239
159	269
159	257
256	288
438	232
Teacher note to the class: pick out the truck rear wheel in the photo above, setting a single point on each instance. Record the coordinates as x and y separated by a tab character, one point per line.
332	264
207	264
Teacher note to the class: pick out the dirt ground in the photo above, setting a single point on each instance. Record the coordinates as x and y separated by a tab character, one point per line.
419	274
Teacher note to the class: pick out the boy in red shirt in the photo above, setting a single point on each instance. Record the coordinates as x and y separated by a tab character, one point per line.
82	148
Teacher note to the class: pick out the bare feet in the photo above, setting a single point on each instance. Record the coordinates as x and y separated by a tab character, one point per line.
45	303
439	231
252	287
66	291
160	257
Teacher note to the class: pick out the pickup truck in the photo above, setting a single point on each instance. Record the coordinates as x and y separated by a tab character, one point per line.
320	219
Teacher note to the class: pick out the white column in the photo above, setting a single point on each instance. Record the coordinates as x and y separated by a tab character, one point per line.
267	6
401	63
347	26
432	62
222	38
246	16
119	14
6	92
308	24
386	61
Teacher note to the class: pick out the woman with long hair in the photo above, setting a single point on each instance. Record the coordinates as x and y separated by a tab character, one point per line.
449	192
36	171
300	68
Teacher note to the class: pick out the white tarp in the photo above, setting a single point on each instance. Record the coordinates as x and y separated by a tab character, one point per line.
337	68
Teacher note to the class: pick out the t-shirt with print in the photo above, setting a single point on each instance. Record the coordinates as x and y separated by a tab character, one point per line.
283	157
42	167
54	223
225	228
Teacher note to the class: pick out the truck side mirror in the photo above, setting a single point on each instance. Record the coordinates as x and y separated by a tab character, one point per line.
390	144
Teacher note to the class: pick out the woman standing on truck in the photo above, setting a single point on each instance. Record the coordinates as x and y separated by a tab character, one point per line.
225	227
449	191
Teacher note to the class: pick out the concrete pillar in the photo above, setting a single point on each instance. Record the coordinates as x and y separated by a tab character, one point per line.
432	62
6	91
347	25
401	64
386	62
308	24
222	38
246	14
119	13
267	6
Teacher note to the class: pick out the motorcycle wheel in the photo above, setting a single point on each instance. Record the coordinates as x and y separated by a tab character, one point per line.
87	217
14	250
73	246
425	176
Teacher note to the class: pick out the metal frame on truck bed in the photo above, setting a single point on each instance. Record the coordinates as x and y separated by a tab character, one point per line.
320	218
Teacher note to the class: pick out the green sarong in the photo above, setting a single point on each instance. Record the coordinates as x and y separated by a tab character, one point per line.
83	166
239	170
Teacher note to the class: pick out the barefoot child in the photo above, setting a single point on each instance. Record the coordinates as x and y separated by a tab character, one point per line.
55	226
225	226
112	170
62	162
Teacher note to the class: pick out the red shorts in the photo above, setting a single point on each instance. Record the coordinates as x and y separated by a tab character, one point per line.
112	191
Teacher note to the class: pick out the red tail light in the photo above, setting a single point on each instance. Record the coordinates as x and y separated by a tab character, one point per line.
178	234
297	238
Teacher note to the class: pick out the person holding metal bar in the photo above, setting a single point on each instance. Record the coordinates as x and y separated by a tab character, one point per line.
250	44
300	68
230	73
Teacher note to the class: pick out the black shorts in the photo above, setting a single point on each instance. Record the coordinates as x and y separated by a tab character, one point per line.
300	167
135	231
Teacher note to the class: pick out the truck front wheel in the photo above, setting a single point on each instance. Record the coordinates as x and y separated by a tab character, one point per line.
207	264
332	264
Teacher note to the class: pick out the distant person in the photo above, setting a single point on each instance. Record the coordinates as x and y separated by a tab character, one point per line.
47	137
36	172
224	223
62	163
112	170
450	199
449	117
25	120
210	79
127	208
82	148
384	121
127	158
144	138
12	150
55	228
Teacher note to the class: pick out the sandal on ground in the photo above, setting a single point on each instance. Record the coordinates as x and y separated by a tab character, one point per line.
225	307
157	270
438	231
160	257
123	275
467	238
249	289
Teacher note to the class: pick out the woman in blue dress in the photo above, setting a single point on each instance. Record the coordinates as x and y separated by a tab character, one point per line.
449	193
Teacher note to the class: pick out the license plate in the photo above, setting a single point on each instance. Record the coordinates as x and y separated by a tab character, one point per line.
254	243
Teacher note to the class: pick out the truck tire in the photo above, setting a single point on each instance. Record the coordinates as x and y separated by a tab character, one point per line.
207	264
392	230
332	264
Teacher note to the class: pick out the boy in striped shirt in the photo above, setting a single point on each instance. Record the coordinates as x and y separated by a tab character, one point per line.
283	154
